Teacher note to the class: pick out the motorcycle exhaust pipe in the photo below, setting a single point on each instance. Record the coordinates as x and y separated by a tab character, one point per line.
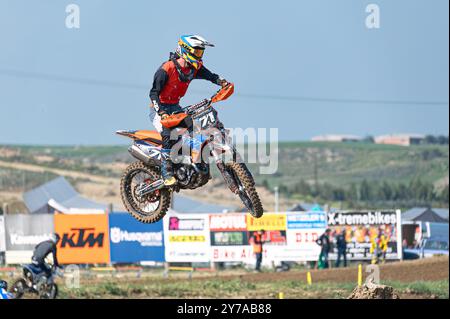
137	153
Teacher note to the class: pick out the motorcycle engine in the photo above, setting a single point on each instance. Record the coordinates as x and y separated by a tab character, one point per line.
184	175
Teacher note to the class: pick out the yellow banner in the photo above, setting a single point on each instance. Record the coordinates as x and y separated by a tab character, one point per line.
187	239
267	222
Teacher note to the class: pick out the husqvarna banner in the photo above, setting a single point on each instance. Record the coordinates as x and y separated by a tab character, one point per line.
187	237
132	241
84	239
362	230
23	233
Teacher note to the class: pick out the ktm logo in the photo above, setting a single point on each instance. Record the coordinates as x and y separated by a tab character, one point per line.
82	237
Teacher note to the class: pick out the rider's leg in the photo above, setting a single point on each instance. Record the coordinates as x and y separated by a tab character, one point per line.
168	142
166	162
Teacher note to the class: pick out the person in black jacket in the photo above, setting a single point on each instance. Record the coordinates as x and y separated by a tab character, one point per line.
324	242
341	244
44	249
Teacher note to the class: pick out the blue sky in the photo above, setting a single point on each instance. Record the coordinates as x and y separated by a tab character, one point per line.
319	49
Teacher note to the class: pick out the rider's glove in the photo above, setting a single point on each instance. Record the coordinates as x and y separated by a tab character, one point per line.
163	116
222	82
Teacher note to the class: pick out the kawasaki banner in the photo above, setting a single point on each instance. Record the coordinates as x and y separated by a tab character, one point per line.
132	241
23	233
362	228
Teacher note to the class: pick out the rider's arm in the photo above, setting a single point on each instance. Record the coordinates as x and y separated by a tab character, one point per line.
205	74
55	259
159	81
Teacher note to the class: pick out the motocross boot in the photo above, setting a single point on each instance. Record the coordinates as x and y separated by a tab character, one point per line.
167	171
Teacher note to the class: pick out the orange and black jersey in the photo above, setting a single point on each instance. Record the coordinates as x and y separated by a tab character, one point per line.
168	88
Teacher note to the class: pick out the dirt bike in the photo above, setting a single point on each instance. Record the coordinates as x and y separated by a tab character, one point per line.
142	188
35	281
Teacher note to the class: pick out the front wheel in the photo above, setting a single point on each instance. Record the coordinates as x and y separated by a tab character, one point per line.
151	207
18	288
247	191
49	291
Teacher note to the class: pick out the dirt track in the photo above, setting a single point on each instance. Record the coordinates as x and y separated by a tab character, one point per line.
432	269
407	271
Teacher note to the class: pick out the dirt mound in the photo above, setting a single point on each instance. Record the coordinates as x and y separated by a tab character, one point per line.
373	291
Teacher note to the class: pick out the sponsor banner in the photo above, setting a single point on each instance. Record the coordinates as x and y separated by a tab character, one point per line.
187	237
303	229
84	239
269	221
17	257
306	220
2	234
228	222
132	241
229	238
23	233
301	246
361	230
232	254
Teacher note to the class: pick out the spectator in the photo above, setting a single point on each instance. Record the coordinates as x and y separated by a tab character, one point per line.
324	242
341	244
257	242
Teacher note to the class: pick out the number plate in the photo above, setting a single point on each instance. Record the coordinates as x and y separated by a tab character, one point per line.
207	119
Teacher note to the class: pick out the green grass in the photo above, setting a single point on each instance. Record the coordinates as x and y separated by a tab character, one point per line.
438	288
220	288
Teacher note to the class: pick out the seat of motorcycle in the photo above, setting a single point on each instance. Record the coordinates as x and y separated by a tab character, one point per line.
152	136
35	269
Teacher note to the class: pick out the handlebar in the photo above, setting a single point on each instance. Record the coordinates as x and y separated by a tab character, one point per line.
221	95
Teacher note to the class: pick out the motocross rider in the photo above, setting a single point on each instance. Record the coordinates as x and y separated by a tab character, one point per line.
170	84
44	249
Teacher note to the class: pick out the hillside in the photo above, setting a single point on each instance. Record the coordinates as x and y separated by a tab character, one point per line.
338	165
343	163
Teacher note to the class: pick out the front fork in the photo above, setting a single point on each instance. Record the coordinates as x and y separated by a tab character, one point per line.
224	147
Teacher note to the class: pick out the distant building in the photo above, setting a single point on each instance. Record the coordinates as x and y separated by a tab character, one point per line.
59	195
336	138
424	214
306	207
400	139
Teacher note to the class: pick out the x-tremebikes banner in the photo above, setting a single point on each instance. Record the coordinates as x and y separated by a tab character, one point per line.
186	237
361	230
133	241
23	233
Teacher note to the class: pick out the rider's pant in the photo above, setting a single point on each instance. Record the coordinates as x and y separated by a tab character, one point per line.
170	109
43	267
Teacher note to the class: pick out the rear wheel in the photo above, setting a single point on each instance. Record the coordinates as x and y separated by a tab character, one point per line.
151	207
247	191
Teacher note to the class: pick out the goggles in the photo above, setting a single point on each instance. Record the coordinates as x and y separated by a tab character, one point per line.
196	53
